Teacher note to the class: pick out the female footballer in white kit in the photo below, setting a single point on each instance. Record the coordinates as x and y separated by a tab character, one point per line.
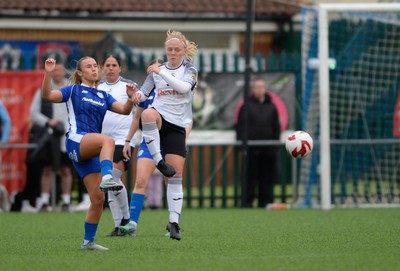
165	121
117	126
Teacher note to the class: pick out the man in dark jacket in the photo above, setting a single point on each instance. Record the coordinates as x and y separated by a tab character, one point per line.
263	161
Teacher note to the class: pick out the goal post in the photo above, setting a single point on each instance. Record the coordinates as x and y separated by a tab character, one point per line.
350	62
325	165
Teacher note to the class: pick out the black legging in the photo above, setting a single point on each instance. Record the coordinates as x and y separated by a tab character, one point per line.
32	186
262	175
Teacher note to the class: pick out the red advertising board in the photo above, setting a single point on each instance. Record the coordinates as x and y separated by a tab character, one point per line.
17	89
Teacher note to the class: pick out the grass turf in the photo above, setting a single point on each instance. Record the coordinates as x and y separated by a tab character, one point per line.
213	239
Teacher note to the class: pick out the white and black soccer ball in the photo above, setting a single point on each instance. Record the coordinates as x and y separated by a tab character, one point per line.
299	144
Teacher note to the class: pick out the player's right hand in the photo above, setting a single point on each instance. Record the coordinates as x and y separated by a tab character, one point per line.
126	151
49	64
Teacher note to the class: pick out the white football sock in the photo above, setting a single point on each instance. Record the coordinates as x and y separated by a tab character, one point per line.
175	198
151	137
122	199
45	198
114	208
121	196
66	198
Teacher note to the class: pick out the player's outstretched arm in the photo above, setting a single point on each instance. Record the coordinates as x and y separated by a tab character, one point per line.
132	130
125	109
47	93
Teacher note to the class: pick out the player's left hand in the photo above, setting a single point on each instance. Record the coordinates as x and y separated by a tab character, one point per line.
132	93
130	90
154	68
136	98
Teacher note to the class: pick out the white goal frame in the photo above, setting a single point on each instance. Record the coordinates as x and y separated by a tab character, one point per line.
323	72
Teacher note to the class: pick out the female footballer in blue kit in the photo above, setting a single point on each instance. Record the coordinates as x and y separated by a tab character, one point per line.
165	123
90	151
144	162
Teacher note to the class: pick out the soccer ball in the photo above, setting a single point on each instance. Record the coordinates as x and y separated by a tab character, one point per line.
299	144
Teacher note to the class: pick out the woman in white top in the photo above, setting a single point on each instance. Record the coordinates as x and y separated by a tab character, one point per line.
117	126
165	121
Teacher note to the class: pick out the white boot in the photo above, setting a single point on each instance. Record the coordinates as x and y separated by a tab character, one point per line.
27	208
84	204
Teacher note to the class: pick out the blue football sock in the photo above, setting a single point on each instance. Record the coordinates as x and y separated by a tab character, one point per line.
106	167
90	231
137	201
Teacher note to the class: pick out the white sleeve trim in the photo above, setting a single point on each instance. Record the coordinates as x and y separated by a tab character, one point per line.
142	96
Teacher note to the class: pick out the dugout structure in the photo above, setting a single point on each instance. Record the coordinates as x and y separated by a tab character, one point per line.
351	104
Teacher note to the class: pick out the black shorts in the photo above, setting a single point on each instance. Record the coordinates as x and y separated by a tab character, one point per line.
172	139
64	159
119	156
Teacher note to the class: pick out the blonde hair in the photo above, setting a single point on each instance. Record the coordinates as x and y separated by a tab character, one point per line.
76	79
190	46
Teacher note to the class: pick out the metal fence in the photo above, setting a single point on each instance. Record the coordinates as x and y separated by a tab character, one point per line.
212	176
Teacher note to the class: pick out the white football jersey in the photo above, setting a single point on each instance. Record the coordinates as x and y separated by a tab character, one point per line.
117	125
175	107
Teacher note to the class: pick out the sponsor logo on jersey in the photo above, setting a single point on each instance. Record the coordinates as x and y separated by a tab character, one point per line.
92	101
162	92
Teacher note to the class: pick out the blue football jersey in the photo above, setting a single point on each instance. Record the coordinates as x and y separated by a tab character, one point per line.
86	108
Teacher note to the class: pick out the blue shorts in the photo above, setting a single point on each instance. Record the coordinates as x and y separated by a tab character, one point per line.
82	167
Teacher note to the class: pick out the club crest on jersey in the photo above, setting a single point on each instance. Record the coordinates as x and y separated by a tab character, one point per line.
100	95
73	156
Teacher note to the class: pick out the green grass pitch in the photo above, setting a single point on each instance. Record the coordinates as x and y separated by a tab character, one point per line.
213	239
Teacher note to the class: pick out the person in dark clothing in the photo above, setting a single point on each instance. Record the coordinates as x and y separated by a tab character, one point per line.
263	161
52	120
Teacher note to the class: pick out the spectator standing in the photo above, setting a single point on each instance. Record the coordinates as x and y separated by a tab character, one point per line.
29	198
52	118
263	161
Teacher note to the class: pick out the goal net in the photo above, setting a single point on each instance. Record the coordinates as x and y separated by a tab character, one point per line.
351	104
